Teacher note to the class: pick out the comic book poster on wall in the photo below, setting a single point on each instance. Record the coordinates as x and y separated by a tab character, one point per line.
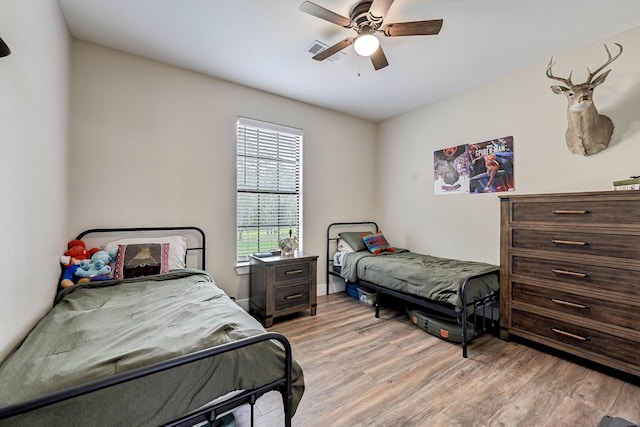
485	167
451	170
491	166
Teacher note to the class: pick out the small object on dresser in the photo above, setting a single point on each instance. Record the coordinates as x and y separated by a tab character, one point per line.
276	252
631	183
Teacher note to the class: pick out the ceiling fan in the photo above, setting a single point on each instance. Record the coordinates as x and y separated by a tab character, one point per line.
366	19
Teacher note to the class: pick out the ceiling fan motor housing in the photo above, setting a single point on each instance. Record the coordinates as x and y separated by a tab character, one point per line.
360	13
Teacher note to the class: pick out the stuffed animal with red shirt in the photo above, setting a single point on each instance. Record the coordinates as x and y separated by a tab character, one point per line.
76	252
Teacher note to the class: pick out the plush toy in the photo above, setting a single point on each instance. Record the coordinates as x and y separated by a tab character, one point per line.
96	268
75	254
68	277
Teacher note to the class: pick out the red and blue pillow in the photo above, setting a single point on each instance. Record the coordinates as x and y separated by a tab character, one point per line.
376	243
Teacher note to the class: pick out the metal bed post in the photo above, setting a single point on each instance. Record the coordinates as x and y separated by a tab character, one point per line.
464	318
329	270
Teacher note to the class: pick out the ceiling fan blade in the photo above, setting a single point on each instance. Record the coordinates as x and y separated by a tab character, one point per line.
378	59
320	56
417	28
379	9
326	14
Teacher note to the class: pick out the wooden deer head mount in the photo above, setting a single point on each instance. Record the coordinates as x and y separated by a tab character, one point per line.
588	132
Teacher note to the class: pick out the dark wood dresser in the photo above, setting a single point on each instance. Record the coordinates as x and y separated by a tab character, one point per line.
283	285
570	274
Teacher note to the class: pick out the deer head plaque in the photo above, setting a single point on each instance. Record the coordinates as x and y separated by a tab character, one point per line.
588	132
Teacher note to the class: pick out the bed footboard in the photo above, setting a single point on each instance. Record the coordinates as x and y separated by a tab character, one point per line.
206	413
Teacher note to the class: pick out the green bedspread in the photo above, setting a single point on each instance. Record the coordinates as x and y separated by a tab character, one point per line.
437	279
102	328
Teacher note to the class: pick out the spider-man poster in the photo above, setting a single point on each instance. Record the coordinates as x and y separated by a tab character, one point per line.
451	170
485	167
491	166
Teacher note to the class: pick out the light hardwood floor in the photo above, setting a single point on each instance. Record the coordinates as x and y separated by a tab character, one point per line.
363	371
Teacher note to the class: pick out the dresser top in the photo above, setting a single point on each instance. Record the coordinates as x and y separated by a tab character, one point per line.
626	194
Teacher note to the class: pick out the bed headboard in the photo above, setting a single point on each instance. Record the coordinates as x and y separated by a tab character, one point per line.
196	240
332	240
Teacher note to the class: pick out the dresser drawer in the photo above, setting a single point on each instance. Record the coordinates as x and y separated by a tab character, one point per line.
579	212
596	342
292	296
611	245
591	308
596	279
288	272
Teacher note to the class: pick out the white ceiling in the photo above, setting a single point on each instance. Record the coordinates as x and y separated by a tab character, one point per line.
263	44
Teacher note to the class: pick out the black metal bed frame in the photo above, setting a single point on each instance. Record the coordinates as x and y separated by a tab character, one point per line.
480	306
202	248
208	412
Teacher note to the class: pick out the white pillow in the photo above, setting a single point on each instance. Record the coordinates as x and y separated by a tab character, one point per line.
344	246
177	248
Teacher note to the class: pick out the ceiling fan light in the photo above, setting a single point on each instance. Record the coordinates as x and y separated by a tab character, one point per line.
366	44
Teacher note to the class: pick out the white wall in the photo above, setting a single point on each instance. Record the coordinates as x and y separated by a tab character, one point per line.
33	164
155	145
522	105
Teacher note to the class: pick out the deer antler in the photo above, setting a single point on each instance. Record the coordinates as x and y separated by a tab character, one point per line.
566	81
609	61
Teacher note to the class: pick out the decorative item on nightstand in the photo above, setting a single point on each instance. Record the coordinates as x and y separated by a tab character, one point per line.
288	245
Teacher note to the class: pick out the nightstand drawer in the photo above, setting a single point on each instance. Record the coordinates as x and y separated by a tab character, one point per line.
289	272
597	342
292	296
600	310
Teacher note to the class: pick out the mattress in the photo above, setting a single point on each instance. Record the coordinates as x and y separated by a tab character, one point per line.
102	328
426	276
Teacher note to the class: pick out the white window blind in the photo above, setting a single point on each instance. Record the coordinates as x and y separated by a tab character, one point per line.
269	188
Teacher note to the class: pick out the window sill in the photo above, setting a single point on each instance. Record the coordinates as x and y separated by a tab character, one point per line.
243	268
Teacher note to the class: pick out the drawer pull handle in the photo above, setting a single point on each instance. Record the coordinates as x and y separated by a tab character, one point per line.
294	296
570	212
570	273
569	335
293	271
569	304
569	242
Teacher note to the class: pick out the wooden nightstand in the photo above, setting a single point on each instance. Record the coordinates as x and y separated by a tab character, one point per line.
283	285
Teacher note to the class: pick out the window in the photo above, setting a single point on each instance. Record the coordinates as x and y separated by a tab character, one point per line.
269	187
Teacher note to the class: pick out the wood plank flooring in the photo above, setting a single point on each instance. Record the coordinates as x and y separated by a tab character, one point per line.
363	371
